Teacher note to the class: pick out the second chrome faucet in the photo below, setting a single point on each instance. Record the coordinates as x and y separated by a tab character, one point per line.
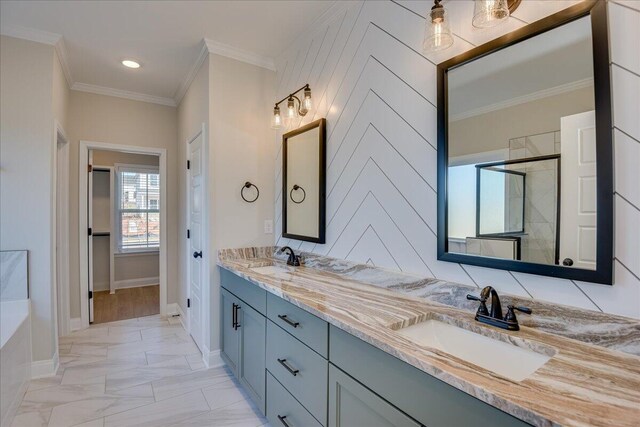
493	316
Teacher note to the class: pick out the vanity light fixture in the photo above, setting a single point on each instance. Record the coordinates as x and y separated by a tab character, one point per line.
437	33
130	63
295	108
489	13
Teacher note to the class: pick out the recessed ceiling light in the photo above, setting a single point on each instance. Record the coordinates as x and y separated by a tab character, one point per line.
131	64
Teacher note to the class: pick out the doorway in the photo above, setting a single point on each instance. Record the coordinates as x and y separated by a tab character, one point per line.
123	232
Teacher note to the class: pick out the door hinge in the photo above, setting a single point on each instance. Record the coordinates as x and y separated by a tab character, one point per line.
90	294
188	164
89	168
90	232
188	234
188	302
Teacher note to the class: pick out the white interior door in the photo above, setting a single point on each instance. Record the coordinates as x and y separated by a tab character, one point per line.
578	191
196	238
89	235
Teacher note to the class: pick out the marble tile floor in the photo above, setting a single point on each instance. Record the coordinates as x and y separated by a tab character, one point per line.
137	372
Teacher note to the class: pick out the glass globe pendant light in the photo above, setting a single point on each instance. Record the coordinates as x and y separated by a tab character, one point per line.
291	113
489	13
437	34
276	119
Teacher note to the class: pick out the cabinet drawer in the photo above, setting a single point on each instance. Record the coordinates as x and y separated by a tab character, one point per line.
284	410
245	290
308	328
302	371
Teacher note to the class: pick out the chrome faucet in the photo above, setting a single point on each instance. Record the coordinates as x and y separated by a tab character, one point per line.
494	316
294	259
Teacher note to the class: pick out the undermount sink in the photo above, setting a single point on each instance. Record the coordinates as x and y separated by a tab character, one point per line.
503	358
272	270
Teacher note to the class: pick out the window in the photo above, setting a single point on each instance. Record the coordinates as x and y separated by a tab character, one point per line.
138	214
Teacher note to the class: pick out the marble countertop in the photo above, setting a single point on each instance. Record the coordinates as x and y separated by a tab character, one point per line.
593	377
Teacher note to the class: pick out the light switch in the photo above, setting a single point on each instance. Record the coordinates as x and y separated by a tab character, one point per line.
268	226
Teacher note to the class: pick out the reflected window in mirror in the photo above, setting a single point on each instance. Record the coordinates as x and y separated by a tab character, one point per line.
303	183
525	162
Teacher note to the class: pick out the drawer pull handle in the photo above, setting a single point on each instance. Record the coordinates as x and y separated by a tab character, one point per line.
289	321
282	420
292	371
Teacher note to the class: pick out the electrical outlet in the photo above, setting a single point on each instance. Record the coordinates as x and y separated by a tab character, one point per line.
268	226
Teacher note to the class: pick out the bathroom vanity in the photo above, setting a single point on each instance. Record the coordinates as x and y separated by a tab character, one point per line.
320	345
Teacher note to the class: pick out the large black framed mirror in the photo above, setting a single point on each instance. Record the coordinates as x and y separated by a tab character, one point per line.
303	182
525	150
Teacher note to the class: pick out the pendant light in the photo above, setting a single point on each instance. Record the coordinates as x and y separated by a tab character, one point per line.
437	34
489	13
296	108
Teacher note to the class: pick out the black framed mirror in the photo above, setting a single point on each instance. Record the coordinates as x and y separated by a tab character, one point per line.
303	182
525	150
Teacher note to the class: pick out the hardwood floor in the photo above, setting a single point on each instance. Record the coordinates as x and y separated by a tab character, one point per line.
126	304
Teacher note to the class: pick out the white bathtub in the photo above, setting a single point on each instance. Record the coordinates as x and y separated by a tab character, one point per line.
15	356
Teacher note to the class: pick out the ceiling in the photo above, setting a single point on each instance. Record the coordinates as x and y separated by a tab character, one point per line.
165	37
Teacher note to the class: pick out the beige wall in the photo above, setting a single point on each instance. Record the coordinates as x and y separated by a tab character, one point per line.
193	111
242	149
120	121
492	131
26	173
233	99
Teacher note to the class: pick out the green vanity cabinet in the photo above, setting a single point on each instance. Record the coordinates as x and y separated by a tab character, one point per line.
243	341
301	371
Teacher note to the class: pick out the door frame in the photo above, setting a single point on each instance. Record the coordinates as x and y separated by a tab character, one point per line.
85	146
60	276
206	274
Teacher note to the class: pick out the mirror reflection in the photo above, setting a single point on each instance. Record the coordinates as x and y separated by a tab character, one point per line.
521	174
303	183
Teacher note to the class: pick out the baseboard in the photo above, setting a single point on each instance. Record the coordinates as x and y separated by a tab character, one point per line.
212	359
136	283
172	309
75	324
44	368
183	319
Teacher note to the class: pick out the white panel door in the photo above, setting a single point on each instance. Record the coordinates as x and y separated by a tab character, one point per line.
578	191
90	236
196	181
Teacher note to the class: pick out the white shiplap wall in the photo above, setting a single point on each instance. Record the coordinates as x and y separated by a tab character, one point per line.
377	90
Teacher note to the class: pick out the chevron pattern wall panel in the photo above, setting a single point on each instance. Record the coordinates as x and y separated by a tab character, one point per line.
377	91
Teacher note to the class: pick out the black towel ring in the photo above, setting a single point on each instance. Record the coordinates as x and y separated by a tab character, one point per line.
249	185
304	194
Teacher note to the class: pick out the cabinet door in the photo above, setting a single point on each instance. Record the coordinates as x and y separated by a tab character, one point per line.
230	335
252	328
352	404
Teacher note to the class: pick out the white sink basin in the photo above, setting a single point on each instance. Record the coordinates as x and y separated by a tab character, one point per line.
273	270
502	358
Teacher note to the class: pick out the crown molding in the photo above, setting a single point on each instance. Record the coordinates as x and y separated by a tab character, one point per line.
240	54
119	93
184	86
61	50
30	34
556	90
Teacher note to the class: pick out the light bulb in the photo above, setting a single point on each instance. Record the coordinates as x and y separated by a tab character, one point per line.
276	120
307	103
437	33
489	13
291	109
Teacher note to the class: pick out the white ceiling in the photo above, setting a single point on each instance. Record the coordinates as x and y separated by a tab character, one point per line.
166	37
